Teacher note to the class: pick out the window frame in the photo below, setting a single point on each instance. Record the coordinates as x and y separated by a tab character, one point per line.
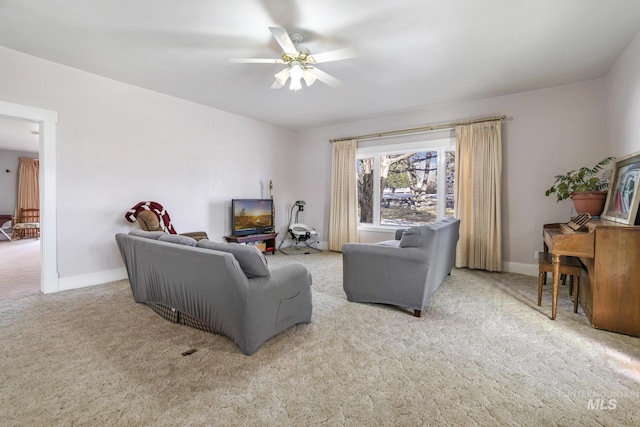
440	145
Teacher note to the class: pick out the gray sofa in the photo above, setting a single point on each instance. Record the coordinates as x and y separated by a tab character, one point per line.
404	272
225	288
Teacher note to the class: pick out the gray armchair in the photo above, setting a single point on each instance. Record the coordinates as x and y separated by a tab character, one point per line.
404	272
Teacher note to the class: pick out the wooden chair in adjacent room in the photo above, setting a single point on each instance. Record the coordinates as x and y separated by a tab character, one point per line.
569	266
6	225
27	224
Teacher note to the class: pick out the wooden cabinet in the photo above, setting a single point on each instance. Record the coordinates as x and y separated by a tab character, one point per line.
265	242
610	291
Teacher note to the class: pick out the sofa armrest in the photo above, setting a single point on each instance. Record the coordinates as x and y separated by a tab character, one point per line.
281	281
277	302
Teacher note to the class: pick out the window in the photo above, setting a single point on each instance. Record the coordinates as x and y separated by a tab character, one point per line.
406	184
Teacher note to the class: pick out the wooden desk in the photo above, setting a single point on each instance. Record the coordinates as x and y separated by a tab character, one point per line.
610	283
268	239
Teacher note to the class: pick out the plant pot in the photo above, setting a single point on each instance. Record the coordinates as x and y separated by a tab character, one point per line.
591	202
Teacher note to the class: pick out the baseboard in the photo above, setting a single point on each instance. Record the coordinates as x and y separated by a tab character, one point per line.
520	268
91	279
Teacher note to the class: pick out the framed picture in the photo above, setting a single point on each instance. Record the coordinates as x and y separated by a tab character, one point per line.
624	192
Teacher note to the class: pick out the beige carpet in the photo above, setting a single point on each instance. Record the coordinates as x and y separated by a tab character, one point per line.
482	354
301	249
19	267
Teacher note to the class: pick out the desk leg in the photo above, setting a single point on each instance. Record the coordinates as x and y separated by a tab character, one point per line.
556	283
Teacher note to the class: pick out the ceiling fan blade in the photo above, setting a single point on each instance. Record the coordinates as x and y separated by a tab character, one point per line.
255	61
283	39
325	78
336	55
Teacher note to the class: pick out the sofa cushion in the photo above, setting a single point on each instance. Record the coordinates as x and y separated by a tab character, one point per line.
176	238
147	234
251	260
394	243
411	238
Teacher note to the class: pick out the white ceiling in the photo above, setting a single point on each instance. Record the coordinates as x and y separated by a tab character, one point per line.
19	135
412	52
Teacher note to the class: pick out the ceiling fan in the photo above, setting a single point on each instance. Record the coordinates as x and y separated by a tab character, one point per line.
300	62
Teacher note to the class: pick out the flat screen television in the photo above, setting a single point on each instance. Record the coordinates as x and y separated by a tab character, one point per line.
251	216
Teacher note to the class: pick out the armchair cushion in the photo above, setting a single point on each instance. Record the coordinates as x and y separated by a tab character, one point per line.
251	260
177	238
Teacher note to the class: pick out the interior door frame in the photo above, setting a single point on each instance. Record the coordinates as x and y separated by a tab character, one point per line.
48	122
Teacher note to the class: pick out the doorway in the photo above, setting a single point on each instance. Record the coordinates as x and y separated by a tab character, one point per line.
47	123
19	259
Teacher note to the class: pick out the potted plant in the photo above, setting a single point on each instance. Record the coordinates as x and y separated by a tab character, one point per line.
586	186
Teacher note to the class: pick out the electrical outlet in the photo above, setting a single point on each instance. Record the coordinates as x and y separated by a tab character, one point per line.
535	254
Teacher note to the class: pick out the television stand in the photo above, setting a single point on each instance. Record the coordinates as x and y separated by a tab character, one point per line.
268	241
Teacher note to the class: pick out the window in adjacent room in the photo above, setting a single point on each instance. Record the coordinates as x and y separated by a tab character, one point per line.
406	184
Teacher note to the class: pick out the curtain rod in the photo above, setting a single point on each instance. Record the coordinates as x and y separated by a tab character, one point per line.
418	129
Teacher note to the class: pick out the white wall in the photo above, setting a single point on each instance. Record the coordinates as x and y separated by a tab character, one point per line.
548	131
622	102
119	144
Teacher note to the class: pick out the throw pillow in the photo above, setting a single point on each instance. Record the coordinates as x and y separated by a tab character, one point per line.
149	221
176	238
411	238
251	260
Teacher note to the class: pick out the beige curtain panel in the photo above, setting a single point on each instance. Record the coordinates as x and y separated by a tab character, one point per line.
343	219
478	196
28	185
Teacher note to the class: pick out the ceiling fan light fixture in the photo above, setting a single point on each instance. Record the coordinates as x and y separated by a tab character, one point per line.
282	76
300	63
296	74
309	78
